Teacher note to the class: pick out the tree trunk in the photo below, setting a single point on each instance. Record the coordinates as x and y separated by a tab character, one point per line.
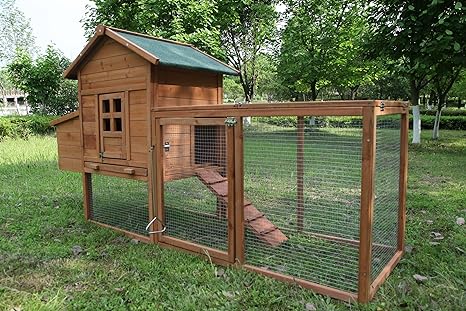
416	113
314	90
436	130
354	91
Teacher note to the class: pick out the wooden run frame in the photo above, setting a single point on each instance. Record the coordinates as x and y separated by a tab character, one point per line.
216	115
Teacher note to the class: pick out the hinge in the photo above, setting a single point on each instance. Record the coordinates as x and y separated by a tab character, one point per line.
230	121
101	155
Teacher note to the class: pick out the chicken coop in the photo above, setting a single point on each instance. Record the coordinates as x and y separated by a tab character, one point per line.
311	193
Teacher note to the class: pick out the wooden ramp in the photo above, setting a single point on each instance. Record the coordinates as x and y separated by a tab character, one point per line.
254	219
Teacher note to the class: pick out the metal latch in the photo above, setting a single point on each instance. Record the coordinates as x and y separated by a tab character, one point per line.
166	146
382	106
230	121
157	231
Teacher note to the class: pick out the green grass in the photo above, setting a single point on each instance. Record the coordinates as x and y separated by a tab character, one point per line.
42	219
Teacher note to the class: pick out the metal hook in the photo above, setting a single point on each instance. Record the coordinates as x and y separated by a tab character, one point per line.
157	231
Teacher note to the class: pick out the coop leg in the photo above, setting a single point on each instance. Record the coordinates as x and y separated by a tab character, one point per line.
221	208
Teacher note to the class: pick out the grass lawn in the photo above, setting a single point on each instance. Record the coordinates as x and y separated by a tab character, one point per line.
41	220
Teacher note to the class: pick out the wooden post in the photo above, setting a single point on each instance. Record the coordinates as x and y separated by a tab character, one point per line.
403	180
300	174
239	192
159	178
367	203
87	195
230	207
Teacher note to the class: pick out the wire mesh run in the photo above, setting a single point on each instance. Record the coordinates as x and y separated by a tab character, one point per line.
387	172
304	178
195	184
119	202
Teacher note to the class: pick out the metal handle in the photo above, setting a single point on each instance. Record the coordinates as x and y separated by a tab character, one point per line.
157	231
166	146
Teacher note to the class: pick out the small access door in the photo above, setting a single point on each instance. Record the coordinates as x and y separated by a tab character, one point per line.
112	108
196	204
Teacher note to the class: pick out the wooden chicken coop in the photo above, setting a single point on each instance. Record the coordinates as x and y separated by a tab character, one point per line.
299	194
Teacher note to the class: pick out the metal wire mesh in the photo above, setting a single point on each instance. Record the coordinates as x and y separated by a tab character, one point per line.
385	223
119	202
195	185
317	177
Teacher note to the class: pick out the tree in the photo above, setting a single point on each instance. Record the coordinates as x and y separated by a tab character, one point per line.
235	31
413	33
246	27
190	21
41	79
16	31
320	41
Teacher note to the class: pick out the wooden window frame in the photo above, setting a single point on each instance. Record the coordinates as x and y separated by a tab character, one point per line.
113	116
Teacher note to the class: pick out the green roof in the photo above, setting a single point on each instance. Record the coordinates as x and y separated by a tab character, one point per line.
177	55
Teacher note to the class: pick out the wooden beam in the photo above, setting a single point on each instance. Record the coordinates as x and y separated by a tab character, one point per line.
87	195
300	174
367	203
66	117
403	180
239	190
385	273
230	163
320	289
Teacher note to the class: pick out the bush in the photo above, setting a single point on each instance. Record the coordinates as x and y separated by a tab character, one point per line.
24	126
445	112
447	122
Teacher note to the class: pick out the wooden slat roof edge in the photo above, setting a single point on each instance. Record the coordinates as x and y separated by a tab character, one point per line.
65	118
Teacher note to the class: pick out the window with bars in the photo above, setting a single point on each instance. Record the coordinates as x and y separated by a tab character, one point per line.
112	125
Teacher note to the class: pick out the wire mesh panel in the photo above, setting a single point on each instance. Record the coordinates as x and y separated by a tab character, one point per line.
196	185
387	171
119	202
302	182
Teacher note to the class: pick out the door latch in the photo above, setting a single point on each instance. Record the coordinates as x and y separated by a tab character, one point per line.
166	146
230	121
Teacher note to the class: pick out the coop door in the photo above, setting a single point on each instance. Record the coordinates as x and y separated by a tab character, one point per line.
197	204
112	109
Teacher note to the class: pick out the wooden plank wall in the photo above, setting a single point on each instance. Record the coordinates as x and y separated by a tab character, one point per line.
69	145
114	68
180	87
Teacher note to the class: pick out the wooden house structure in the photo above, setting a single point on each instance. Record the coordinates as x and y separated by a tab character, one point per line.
163	161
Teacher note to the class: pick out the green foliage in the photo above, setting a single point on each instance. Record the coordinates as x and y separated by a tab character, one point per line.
449	122
190	21
25	126
233	92
16	31
322	45
445	112
246	28
41	79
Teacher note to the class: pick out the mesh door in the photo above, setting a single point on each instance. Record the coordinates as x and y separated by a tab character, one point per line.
309	189
119	202
196	185
387	172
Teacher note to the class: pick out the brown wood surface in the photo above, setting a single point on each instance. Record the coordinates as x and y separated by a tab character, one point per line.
159	176
70	164
138	171
230	162
115	174
239	189
66	117
320	289
385	273
403	180
367	203
87	195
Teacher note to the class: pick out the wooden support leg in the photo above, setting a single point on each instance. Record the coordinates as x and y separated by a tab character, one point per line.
87	195
367	203
403	180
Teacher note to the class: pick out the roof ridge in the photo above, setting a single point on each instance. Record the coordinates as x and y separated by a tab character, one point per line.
147	36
